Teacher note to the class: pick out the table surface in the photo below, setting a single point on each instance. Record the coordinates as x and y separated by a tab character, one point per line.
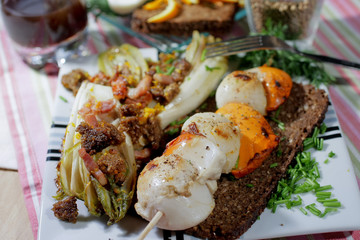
26	98
15	222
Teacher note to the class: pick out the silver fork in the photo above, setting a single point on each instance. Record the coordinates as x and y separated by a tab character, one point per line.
261	42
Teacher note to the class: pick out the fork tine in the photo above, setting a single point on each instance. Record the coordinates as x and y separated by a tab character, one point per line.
230	41
229	47
238	45
232	51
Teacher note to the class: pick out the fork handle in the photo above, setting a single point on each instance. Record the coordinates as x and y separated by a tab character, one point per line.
330	60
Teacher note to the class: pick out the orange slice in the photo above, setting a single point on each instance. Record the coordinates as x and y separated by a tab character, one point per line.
154	5
190	2
277	84
257	141
222	1
171	11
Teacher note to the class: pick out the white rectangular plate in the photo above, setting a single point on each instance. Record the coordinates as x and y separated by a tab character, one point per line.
338	172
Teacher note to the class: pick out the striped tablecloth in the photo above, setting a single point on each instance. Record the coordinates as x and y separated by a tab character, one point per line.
27	96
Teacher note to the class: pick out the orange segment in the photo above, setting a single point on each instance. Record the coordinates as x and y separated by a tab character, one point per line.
277	84
257	141
171	11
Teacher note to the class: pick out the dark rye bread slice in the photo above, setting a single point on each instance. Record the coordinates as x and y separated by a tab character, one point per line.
212	18
238	206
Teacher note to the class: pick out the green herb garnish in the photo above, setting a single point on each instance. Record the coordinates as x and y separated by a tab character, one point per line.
331	154
210	69
63	99
323	188
335	204
280	124
314	141
314	210
323	194
179	122
173	131
170	70
322	200
170	61
273	165
293	64
303	210
158	70
204	106
203	54
323	128
303	178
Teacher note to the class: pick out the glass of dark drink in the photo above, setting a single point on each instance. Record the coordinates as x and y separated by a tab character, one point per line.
46	31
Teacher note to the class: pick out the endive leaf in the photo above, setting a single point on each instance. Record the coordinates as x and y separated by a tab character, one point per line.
197	86
76	180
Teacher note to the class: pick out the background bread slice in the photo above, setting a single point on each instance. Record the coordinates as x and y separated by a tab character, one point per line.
212	18
238	206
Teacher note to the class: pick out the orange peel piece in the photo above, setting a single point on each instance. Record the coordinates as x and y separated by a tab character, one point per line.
172	10
277	84
257	141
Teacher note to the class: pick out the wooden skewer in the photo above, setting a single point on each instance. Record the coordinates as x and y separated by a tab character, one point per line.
150	225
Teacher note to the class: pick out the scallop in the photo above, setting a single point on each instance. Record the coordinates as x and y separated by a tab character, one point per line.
242	87
221	131
169	184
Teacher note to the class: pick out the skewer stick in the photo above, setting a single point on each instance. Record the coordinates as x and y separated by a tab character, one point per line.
150	225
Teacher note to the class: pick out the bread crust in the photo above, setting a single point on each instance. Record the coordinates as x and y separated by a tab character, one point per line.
237	206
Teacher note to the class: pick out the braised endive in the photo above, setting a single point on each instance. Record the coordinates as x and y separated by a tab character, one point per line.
200	82
74	176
